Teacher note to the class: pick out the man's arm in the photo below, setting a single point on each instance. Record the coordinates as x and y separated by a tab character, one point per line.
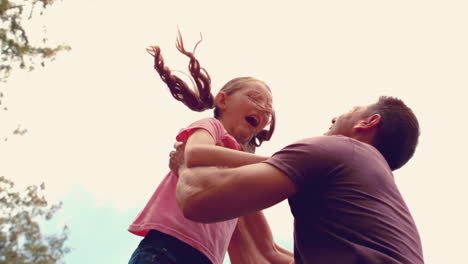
211	194
252	242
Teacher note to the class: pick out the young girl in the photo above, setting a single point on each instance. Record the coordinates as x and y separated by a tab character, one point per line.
242	109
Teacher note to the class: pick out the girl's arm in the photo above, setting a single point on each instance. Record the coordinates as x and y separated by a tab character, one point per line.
200	150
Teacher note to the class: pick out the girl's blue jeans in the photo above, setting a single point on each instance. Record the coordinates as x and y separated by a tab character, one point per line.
159	248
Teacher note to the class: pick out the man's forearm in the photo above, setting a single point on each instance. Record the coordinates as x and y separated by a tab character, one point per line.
203	197
189	187
211	194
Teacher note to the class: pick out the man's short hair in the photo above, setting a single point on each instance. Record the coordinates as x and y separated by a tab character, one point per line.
398	131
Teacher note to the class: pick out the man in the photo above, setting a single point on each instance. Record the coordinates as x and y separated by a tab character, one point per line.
340	186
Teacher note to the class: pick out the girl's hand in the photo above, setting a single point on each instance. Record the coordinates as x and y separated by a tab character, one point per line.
176	161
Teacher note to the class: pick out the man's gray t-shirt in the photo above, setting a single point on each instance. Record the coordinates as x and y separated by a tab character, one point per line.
347	208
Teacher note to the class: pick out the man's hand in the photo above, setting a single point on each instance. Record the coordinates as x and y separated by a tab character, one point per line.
176	161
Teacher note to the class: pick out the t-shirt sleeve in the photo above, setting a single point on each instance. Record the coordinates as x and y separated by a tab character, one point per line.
211	125
306	161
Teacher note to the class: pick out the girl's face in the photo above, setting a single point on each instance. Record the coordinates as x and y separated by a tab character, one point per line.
245	112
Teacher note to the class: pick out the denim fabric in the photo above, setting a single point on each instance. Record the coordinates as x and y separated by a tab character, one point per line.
159	248
152	256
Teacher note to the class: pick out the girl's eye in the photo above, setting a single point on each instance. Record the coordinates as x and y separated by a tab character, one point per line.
261	104
255	98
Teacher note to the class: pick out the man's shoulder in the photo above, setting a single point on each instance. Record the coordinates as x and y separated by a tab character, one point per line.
323	147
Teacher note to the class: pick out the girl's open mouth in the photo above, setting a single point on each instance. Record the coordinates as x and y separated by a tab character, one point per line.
252	120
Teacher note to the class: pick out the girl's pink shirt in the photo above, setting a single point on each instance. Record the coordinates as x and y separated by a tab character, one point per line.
163	214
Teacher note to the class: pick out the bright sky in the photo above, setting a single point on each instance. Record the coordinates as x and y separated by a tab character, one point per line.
101	123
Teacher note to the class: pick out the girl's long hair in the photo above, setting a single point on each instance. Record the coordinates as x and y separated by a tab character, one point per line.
201	98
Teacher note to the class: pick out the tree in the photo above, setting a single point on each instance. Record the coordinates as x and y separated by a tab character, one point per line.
17	50
21	240
19	47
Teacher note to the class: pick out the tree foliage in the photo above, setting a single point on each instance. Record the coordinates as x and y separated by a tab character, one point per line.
21	240
16	48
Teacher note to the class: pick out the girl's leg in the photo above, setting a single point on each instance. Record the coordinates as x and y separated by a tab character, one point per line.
159	248
151	256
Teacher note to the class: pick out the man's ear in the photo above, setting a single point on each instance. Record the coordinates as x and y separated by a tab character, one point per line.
369	122
220	100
